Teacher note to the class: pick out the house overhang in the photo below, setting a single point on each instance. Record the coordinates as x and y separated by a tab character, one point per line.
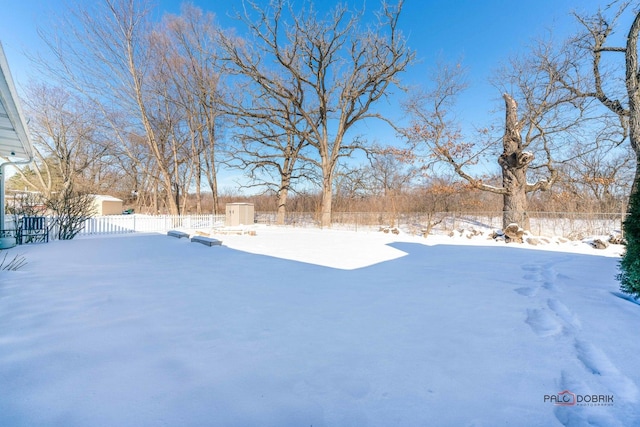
15	143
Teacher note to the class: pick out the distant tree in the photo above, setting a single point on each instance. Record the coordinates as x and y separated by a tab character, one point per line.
390	169
68	143
392	174
331	71
600	180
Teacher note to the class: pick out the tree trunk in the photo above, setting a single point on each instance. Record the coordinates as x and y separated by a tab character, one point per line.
156	201
325	207
633	91
283	192
197	167
515	209
514	163
213	183
210	164
282	205
198	195
634	137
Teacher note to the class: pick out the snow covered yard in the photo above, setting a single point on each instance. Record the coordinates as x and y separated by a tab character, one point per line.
297	327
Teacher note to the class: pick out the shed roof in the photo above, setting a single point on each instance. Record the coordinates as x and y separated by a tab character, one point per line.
105	198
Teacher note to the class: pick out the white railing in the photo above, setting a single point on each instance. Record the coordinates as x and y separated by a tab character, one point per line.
122	224
566	224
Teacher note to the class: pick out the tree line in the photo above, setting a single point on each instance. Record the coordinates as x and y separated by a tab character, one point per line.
153	111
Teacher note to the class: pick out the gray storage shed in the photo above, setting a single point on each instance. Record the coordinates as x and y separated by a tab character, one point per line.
239	214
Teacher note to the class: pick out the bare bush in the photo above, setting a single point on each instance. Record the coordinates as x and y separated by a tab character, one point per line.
71	210
14	264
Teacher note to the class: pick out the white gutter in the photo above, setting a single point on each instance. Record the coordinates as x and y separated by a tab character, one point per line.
11	103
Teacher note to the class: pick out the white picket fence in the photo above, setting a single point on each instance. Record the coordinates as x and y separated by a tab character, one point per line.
122	224
565	224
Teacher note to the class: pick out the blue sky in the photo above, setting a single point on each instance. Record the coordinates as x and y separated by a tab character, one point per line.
481	33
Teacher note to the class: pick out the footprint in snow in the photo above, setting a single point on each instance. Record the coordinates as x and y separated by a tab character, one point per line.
527	292
533	272
533	275
543	323
563	312
549	277
597	362
574	416
546	274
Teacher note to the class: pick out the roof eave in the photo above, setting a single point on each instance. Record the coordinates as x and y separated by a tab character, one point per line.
11	103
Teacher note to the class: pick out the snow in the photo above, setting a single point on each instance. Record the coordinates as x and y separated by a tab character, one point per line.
105	198
304	327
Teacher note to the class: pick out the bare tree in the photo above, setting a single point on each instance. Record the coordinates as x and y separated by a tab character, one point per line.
68	142
550	118
104	50
623	100
270	142
270	153
600	180
392	173
391	169
600	81
331	71
196	71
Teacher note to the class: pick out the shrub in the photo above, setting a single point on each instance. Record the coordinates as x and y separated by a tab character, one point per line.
630	264
70	210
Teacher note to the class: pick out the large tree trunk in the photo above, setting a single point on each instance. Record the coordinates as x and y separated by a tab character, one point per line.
515	209
282	205
171	199
327	198
283	193
633	91
514	163
634	136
